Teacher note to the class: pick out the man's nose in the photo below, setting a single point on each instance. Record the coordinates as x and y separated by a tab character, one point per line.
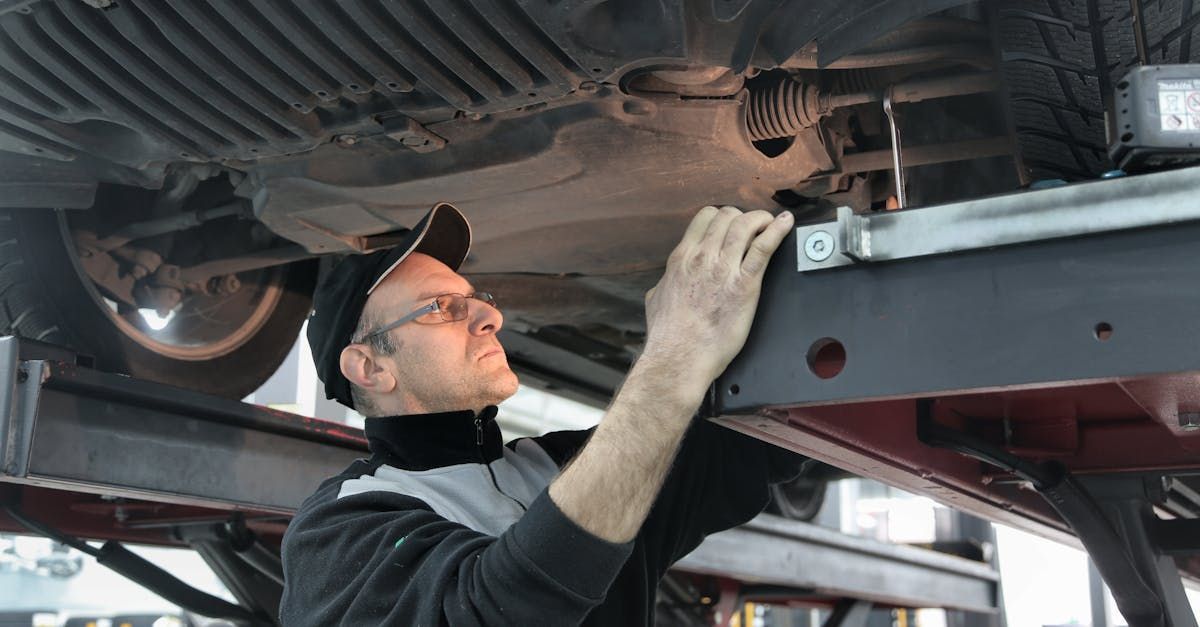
485	318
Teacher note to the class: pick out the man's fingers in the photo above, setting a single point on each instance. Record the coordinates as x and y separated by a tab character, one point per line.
698	226
714	237
765	244
743	229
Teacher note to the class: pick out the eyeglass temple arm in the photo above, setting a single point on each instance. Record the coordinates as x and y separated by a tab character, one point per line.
430	308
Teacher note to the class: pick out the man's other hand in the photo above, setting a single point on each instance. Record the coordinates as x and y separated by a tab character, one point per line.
699	314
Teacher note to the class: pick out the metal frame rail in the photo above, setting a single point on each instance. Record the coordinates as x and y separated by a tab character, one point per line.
1046	333
771	550
74	429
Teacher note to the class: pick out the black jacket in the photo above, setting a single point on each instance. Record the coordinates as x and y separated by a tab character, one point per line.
444	524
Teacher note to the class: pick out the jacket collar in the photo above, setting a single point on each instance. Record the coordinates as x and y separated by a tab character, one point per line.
426	441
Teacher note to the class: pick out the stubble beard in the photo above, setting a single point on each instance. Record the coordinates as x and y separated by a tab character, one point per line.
481	389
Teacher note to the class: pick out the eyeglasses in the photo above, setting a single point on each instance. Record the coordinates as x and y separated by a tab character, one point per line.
450	307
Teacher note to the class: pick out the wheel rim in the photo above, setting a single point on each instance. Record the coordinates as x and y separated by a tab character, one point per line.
201	327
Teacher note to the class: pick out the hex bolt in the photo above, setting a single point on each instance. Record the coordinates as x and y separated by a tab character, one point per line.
819	246
589	87
346	141
230	284
1189	421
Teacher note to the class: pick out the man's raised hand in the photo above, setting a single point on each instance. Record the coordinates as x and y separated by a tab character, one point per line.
699	314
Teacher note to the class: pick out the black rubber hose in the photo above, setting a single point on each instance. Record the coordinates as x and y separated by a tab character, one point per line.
263	560
139	570
50	532
165	585
246	546
1139	604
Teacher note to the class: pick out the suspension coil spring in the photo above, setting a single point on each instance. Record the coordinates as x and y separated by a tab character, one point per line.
783	110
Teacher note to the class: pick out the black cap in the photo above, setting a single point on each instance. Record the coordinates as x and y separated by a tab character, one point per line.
338	303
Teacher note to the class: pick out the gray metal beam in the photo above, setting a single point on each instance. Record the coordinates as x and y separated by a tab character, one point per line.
1130	202
777	551
1088	309
76	429
85	431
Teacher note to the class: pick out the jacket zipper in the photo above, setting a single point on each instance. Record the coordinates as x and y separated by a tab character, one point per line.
488	465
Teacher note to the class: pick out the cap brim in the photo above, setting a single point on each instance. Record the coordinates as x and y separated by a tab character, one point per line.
444	235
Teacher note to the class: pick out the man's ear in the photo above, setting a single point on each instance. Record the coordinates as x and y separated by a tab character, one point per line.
359	366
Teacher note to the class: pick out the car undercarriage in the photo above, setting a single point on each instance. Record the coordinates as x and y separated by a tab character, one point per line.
212	144
177	175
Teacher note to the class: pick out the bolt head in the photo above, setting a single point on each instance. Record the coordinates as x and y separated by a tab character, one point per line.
347	140
819	246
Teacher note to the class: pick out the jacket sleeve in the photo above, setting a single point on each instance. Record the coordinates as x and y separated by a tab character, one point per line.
719	480
381	558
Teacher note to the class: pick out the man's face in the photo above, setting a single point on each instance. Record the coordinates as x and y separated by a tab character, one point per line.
446	366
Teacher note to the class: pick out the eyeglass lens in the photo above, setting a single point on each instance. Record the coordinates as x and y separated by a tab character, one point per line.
453	307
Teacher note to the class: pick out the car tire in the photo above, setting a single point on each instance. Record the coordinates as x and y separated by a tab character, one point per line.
45	296
1060	60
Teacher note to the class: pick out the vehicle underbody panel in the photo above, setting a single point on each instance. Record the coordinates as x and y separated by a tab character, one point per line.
139	85
578	136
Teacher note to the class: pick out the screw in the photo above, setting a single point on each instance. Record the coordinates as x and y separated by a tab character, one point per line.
589	87
346	141
228	284
1189	421
819	246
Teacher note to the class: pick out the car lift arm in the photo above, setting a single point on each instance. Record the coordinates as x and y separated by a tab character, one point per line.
1067	311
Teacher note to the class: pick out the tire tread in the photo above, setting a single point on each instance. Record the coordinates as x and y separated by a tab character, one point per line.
23	309
1060	59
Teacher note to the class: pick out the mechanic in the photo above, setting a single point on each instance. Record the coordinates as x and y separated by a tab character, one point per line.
444	524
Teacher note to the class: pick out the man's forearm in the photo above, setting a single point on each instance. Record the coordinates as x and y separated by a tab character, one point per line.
611	484
698	316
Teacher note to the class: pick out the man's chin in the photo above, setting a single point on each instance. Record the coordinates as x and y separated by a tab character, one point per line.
501	387
507	386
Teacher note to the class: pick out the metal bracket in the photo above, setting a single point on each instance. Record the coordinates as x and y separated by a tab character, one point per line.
412	135
855	234
1082	209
